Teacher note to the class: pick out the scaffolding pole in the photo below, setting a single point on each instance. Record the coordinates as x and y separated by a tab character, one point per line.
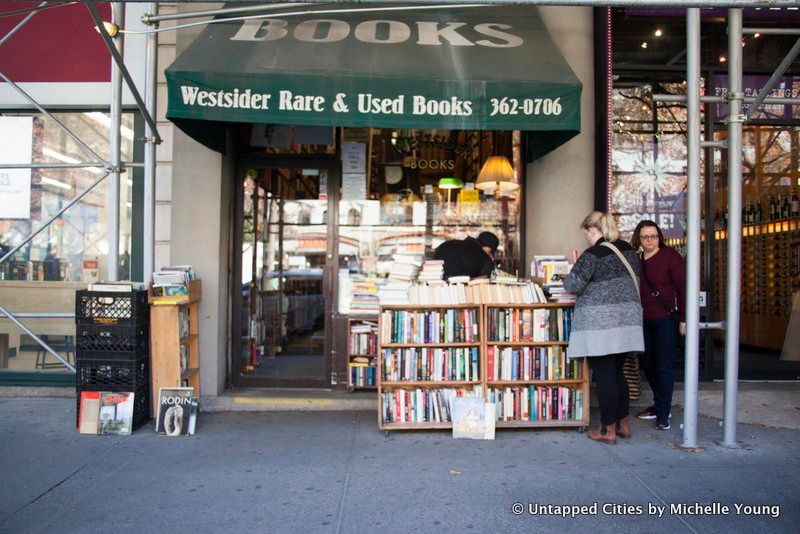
150	142
692	340
115	143
732	301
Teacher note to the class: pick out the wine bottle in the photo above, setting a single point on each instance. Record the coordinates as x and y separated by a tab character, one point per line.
759	213
785	207
794	210
747	212
771	207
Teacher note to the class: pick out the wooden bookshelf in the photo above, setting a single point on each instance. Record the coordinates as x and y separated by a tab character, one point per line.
402	385
167	340
581	383
356	354
485	382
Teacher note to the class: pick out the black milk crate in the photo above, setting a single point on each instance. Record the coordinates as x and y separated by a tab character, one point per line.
141	404
96	374
111	307
116	341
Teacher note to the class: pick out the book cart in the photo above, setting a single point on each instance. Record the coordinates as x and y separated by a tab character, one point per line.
390	324
554	371
362	352
174	344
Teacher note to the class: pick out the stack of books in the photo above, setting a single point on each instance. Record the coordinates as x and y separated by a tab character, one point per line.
405	268
364	296
171	280
432	272
544	267
394	293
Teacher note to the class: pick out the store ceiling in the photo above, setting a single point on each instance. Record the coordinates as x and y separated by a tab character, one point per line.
636	47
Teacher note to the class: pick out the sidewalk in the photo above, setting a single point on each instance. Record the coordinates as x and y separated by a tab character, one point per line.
333	471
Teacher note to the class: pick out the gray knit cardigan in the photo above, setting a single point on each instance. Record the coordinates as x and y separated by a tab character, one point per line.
608	311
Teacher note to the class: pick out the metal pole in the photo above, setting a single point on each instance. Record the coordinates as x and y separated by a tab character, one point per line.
38	315
692	306
775	78
53	166
770	31
734	224
115	146
722	99
53	218
36	338
148	223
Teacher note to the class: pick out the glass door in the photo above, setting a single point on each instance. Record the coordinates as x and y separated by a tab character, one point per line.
286	295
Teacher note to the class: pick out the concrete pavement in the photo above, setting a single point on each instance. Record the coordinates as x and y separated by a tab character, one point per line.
333	471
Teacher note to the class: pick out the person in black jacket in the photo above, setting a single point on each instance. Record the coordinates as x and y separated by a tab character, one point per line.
51	264
471	257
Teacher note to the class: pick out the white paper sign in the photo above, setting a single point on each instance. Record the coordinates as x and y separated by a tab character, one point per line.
354	158
16	146
354	186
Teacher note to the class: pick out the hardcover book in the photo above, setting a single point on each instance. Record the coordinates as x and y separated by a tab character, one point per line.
174	411
89	412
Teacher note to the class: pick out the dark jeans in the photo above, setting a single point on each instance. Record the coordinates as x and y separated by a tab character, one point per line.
612	389
658	362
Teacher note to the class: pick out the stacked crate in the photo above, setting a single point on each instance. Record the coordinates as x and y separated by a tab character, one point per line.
112	339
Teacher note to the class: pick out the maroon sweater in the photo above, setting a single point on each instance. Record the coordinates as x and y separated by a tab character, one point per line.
667	270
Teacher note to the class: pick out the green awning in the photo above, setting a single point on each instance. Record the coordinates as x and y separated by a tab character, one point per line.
470	68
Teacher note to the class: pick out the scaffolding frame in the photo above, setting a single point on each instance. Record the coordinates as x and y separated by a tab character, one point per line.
735	119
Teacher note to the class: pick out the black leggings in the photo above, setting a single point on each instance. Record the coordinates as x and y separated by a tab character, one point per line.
612	389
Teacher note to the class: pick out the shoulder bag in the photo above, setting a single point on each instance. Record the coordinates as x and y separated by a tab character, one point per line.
630	368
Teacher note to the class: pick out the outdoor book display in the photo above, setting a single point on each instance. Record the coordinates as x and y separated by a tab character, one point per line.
511	355
174	345
362	350
112	363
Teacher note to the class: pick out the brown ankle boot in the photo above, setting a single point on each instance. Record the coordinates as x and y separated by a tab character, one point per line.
624	428
606	434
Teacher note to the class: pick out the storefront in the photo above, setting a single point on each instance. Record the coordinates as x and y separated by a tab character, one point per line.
649	171
350	138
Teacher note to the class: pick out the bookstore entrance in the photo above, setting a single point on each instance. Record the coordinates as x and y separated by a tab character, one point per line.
285	243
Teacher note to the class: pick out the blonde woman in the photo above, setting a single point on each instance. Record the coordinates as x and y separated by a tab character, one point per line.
607	322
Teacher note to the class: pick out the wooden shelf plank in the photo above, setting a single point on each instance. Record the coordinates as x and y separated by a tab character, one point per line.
362	355
522	424
371	388
188	338
528	343
428	345
415	426
189	372
429	384
531	306
423	307
490	383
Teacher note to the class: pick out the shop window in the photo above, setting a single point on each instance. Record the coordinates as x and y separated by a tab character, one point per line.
73	250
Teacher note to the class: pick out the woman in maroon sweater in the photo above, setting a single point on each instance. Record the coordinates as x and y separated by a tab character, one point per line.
662	273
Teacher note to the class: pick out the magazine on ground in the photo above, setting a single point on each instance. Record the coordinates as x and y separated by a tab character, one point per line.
174	411
88	412
116	414
473	418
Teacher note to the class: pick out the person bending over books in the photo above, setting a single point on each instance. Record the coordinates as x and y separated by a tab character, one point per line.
468	257
663	280
607	321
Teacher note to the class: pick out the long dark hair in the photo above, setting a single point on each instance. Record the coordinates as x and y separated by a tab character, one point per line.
636	243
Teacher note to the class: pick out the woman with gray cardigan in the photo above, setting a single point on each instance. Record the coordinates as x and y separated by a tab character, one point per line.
607	321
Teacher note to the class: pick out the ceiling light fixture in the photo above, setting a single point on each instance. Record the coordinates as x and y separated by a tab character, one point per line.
658	32
644	44
722	59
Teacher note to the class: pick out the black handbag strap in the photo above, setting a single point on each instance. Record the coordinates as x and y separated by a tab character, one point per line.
654	291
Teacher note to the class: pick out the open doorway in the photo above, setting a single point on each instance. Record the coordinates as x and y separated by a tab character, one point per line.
285	242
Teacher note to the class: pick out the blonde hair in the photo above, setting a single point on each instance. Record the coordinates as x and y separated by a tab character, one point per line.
603	222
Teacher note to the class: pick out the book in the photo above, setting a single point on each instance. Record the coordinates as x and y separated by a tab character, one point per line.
124	286
89	412
473	418
115	415
174	411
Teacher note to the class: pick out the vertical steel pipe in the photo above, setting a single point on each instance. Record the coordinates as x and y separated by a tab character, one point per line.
692	305
149	208
734	225
115	147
